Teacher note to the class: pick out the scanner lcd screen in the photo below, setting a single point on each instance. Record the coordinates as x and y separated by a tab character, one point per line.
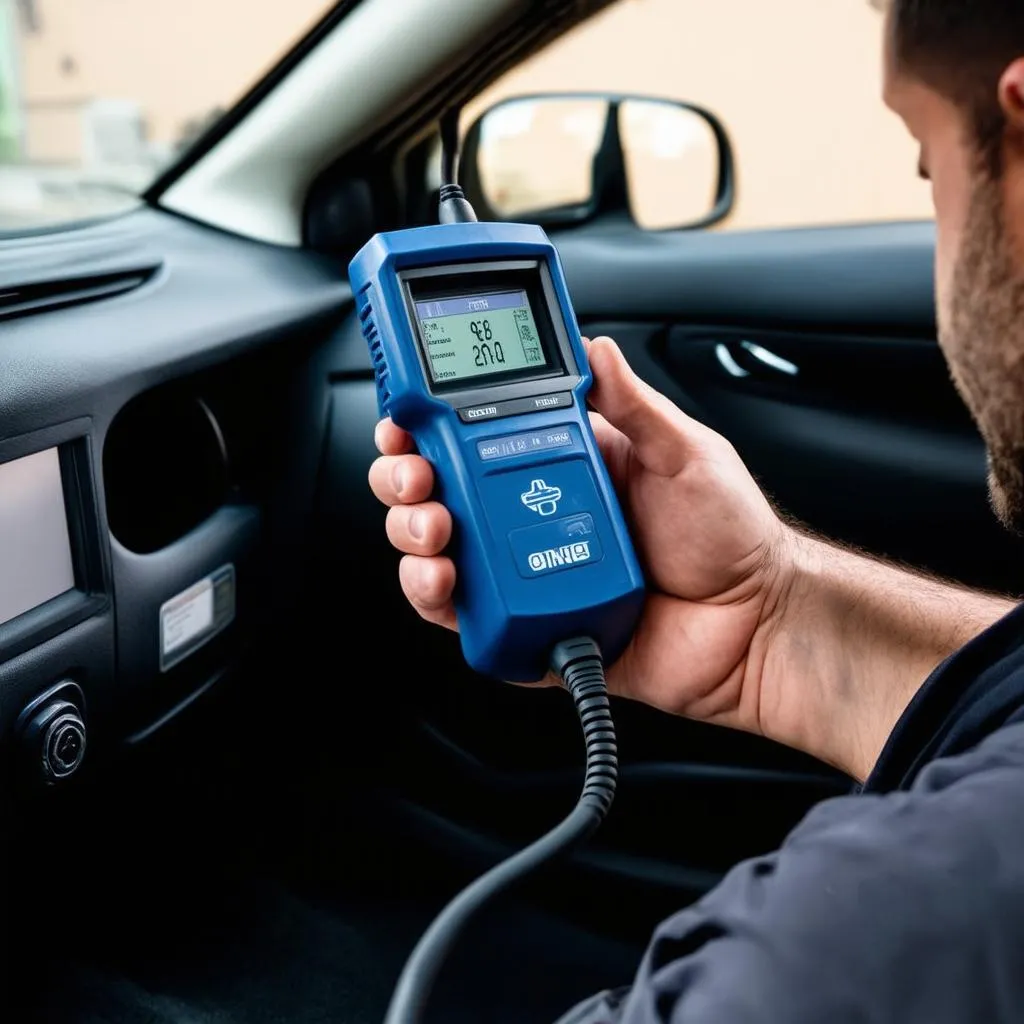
481	334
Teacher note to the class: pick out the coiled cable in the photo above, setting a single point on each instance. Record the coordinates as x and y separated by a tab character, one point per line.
581	668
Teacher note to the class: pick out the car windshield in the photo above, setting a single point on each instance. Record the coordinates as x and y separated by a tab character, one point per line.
97	97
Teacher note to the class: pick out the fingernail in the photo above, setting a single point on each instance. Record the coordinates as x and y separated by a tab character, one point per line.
398	478
376	434
416	525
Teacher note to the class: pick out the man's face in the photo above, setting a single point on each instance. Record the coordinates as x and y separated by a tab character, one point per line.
979	274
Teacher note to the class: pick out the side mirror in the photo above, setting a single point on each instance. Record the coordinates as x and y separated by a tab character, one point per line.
562	159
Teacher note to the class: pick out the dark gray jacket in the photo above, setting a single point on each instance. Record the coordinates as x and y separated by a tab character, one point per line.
902	903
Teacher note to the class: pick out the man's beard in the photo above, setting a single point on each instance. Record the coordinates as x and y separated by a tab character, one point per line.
984	344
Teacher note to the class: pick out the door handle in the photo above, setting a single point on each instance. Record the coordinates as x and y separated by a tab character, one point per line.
746	358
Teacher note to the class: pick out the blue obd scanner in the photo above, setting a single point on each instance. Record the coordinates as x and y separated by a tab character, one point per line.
477	354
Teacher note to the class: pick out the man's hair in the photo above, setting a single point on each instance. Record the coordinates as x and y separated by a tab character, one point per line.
960	48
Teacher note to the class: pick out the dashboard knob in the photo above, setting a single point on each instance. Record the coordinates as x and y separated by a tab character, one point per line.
54	740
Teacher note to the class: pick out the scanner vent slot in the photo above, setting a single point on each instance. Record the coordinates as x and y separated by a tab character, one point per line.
372	336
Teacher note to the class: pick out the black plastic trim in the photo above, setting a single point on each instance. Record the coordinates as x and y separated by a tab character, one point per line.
48	620
66	689
827	278
175	712
91	573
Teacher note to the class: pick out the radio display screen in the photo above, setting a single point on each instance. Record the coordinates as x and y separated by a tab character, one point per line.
35	548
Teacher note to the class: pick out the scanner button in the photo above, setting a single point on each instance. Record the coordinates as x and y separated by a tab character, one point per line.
537	403
552	547
539	494
530	442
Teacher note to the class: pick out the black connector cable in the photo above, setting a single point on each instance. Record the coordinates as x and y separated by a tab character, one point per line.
452	205
581	668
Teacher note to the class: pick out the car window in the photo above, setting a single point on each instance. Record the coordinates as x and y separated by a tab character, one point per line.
796	82
98	96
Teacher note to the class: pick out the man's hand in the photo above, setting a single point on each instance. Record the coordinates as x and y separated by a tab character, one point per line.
711	543
748	623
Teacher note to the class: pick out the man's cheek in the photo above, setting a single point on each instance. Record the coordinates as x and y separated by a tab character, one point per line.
1012	198
945	263
951	198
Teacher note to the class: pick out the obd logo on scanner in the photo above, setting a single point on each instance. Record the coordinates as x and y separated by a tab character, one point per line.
555	558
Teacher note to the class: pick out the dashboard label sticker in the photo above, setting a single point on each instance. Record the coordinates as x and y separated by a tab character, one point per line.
196	615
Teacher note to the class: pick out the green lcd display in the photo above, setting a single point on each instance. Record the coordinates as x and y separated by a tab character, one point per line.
482	334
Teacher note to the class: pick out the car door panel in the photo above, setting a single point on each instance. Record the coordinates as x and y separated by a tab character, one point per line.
867	441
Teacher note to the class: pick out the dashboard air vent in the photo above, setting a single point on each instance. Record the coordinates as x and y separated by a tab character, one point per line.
44	296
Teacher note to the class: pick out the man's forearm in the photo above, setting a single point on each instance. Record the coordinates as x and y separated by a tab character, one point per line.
849	642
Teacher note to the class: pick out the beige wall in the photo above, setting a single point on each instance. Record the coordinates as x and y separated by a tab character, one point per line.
796	82
176	58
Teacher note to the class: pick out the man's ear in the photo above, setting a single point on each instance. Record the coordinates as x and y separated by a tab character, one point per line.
1011	95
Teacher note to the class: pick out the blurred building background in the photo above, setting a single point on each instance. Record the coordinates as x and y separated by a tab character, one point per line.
96	95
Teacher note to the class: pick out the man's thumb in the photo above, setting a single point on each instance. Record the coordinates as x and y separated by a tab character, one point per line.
661	433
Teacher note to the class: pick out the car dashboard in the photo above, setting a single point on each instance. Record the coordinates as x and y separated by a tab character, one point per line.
163	415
